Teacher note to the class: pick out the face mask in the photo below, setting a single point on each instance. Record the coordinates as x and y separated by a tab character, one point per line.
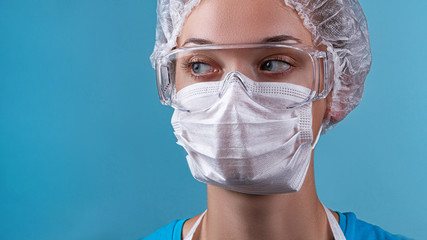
241	145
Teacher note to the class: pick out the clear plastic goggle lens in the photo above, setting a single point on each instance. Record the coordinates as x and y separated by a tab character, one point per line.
263	63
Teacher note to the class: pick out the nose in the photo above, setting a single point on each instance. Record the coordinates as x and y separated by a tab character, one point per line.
240	64
231	79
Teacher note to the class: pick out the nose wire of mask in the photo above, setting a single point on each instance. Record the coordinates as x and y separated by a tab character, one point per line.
239	145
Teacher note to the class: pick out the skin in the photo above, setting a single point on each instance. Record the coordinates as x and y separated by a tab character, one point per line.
233	215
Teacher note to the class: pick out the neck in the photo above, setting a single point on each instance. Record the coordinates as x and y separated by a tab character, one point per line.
233	215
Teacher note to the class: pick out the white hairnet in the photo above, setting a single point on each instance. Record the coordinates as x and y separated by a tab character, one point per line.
340	25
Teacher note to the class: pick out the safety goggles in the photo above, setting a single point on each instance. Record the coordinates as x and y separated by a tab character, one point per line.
275	64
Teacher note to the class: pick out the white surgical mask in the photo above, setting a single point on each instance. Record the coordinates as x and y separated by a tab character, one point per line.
241	145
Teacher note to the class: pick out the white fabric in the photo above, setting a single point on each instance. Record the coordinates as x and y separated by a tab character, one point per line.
317	138
333	223
240	145
194	228
340	25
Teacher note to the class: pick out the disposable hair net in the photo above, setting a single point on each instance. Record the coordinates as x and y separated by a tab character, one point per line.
340	25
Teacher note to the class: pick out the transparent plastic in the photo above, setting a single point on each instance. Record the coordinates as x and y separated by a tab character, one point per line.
277	64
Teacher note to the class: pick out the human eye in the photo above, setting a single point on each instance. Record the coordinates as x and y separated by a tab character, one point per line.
275	66
199	68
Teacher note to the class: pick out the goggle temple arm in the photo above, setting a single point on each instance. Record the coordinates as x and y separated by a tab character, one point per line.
325	66
164	83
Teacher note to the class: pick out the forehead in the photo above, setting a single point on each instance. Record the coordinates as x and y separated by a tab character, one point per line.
243	21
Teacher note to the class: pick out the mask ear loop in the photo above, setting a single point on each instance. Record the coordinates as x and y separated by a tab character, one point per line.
317	138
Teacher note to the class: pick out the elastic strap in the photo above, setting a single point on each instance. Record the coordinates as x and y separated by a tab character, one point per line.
193	229
317	138
335	227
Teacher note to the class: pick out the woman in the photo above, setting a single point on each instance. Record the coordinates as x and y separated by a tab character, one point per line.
253	84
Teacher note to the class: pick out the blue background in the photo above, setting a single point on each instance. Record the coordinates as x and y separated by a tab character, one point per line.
87	151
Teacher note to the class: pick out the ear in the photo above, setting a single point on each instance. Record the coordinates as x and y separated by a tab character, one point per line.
334	113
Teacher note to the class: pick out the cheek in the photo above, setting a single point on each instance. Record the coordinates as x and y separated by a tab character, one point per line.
179	82
181	78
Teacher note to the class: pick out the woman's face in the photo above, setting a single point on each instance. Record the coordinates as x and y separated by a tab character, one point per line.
250	21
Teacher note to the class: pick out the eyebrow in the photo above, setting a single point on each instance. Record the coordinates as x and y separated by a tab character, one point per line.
281	38
198	41
274	39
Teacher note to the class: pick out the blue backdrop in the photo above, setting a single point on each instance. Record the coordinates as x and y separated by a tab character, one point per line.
87	151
